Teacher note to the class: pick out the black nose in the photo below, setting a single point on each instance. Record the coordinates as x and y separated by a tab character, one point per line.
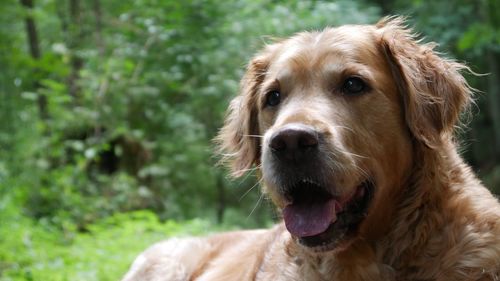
294	141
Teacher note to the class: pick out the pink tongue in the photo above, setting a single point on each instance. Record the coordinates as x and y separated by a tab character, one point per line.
309	219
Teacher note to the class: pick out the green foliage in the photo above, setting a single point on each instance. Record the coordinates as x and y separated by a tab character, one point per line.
479	36
37	251
150	95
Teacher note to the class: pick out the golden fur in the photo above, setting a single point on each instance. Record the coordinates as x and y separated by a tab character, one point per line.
430	217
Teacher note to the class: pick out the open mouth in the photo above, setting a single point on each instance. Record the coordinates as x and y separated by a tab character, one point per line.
322	221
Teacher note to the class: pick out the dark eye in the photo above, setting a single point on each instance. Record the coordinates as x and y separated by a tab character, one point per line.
273	98
353	86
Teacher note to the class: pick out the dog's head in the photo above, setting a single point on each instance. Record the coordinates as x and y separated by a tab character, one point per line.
332	119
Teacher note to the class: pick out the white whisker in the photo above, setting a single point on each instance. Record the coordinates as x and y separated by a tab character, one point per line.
344	127
256	205
247	171
353	154
349	168
250	189
253	136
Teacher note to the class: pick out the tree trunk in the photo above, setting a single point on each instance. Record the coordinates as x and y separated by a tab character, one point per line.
63	19
35	52
494	76
98	27
75	40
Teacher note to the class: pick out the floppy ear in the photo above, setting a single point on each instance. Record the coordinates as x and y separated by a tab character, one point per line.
433	90
238	140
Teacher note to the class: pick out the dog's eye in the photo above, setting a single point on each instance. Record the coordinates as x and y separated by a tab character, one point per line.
273	98
353	86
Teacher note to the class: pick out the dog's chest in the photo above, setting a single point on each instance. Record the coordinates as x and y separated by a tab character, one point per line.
299	266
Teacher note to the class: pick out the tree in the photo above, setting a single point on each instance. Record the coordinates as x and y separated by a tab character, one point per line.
34	47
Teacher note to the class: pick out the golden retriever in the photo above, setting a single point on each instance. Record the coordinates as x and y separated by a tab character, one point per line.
352	131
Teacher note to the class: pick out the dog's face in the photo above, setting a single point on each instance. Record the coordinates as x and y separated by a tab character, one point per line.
333	118
334	134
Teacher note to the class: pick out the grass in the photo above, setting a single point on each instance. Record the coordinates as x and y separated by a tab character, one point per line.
36	251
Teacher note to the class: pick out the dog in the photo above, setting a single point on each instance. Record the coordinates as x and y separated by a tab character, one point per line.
352	132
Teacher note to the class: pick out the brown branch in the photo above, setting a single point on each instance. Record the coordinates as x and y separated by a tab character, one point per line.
76	37
98	27
34	47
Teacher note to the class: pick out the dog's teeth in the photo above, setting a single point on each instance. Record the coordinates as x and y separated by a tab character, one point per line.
309	181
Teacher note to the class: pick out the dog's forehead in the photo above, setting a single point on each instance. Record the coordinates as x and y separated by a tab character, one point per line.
332	48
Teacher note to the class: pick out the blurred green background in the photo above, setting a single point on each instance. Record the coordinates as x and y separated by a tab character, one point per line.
108	108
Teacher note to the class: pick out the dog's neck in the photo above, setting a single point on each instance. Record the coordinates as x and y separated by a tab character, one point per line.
436	175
